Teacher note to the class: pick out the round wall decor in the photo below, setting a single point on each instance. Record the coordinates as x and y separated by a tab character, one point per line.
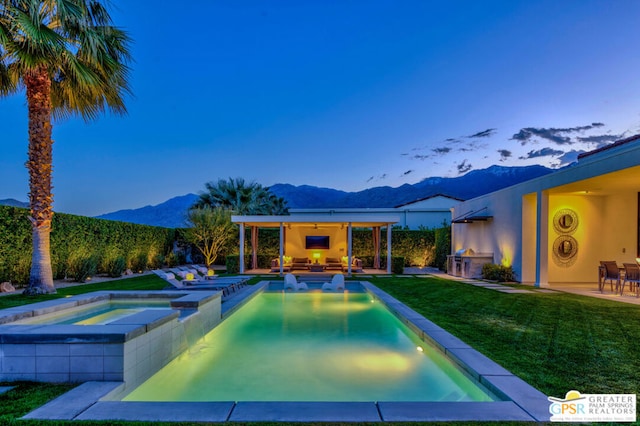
565	221
565	250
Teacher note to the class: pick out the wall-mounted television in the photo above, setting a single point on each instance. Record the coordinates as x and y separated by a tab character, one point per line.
316	242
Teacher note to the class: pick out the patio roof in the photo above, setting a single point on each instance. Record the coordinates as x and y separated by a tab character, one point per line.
357	220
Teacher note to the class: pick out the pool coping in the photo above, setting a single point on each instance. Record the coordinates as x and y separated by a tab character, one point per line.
522	401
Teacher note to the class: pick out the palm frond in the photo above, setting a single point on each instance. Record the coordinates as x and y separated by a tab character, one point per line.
87	58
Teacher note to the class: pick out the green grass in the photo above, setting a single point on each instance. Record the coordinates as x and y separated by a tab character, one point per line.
556	342
144	282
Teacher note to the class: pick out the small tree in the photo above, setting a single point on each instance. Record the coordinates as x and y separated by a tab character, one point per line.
210	231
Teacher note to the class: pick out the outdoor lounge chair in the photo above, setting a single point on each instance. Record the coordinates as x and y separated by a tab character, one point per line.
631	276
170	278
336	284
291	283
611	272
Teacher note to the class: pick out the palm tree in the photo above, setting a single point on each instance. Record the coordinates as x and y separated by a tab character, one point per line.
70	60
242	198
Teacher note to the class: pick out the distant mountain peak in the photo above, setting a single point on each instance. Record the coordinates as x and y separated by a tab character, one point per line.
172	213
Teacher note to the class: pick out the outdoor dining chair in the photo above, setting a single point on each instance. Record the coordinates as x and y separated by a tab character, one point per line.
632	276
611	272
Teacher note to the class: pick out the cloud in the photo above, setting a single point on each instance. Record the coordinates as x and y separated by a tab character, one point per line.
421	157
441	150
569	157
463	167
504	154
544	152
483	134
472	146
552	134
601	140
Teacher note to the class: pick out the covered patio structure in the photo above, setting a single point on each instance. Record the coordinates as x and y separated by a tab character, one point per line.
335	234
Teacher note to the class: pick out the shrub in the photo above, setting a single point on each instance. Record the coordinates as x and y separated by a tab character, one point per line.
500	273
397	264
103	239
82	266
139	262
442	247
233	264
175	259
157	261
22	270
115	267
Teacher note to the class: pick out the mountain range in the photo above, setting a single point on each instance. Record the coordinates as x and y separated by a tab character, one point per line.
14	203
172	212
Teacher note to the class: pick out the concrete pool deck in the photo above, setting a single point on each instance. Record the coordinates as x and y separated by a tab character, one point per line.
520	401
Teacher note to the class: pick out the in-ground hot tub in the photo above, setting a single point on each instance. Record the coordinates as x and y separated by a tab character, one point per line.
108	335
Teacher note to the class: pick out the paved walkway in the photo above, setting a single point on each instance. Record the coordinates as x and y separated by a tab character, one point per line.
583	289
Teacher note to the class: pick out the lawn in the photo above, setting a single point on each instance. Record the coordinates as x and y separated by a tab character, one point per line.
556	342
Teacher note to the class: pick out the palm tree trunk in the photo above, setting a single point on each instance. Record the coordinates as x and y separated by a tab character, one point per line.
39	164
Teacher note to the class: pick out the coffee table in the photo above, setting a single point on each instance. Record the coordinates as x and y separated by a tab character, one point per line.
317	267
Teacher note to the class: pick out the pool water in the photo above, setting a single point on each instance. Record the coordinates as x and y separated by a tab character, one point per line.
98	313
310	347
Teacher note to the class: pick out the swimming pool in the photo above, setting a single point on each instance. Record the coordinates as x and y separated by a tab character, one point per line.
103	400
98	313
311	347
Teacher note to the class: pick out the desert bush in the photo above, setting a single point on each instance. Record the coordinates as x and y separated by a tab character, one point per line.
82	265
500	273
115	266
175	259
157	261
138	262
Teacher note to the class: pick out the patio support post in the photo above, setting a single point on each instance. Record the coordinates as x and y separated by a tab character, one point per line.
254	247
542	239
281	252
349	248
388	248
242	248
376	247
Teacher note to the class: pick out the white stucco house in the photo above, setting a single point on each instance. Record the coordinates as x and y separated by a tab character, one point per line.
558	227
428	212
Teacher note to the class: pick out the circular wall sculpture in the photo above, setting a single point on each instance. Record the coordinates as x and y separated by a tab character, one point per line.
565	250
565	221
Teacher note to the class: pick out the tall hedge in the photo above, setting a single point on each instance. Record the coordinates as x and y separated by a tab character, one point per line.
75	239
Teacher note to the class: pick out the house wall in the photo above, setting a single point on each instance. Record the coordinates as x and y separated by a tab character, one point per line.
500	235
424	219
606	231
529	224
591	228
295	244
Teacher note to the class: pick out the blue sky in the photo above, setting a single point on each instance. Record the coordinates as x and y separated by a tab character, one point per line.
341	94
